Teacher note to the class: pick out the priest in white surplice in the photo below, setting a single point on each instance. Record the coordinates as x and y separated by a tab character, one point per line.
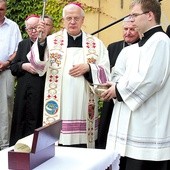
140	125
74	61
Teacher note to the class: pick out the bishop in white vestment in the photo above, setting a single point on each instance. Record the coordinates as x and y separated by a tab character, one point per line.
69	91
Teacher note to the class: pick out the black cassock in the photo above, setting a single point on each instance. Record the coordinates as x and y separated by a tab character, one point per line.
114	49
28	103
168	31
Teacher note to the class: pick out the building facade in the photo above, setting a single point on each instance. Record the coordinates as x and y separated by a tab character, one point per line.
106	12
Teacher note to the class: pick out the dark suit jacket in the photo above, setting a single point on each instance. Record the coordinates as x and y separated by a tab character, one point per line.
29	96
114	49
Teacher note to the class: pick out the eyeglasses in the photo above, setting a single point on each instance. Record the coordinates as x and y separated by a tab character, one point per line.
76	19
49	25
133	16
31	29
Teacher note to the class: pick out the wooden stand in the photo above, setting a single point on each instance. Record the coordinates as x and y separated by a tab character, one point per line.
43	148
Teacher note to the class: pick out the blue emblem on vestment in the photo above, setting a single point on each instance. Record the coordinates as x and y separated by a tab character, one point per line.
51	107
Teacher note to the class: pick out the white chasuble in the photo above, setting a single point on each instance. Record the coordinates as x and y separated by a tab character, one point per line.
74	102
71	98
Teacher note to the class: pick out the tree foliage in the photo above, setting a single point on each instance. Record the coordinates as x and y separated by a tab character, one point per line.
18	10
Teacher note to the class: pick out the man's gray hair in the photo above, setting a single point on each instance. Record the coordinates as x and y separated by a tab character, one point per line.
69	6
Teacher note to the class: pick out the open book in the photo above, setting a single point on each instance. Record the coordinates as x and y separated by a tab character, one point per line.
24	144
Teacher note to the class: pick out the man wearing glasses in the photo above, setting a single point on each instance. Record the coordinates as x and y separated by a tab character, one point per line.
75	61
140	125
28	103
49	24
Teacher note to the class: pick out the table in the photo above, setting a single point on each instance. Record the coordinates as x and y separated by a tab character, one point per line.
69	158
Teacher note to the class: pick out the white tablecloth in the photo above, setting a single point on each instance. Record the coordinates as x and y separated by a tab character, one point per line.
68	158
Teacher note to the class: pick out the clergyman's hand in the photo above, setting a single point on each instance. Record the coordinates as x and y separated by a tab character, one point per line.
42	31
79	70
110	92
29	68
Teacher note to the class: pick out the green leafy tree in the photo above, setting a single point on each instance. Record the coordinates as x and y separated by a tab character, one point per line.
18	10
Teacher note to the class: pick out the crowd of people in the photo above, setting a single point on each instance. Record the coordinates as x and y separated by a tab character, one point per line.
57	72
